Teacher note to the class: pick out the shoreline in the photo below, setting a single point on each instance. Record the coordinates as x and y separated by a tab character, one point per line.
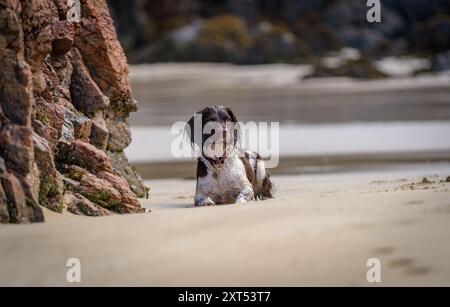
298	165
168	93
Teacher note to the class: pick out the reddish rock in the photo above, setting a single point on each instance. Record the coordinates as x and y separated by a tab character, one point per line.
98	44
83	154
16	146
62	94
4	214
86	95
76	126
99	134
127	171
50	114
20	210
97	190
50	186
46	132
61	76
15	77
37	22
80	205
121	185
63	37
119	135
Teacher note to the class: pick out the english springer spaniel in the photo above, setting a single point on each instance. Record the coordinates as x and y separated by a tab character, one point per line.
226	174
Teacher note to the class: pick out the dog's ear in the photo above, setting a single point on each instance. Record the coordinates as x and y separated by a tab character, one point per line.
190	129
237	131
231	115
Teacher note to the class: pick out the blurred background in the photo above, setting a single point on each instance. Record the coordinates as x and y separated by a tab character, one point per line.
348	94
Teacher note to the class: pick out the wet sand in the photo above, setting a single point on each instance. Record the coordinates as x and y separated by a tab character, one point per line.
170	92
320	230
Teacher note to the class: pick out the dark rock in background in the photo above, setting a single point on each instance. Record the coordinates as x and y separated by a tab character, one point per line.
237	31
56	105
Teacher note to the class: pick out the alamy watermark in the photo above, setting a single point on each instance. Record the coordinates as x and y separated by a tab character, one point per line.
215	140
73	274
374	12
374	273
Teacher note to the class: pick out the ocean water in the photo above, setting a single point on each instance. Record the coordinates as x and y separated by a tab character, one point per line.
154	143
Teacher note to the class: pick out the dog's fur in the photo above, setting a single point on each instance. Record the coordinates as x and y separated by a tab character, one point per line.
238	177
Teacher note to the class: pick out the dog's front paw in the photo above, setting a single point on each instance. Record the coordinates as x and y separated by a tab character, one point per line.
241	200
204	202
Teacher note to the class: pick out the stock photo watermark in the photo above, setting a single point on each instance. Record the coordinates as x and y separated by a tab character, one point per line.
374	273
374	12
216	140
73	274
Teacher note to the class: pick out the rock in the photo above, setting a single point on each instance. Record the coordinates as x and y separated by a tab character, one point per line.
101	51
15	79
76	126
2	166
63	36
80	205
359	69
51	187
51	115
121	185
106	189
37	22
425	180
83	154
441	62
86	95
46	132
123	167
448	179
20	209
119	135
4	214
99	134
433	35
53	102
223	38
61	76
16	147
95	189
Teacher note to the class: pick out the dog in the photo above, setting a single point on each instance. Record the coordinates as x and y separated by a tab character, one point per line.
226	174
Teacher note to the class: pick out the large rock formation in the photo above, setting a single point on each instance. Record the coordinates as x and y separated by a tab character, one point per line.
64	99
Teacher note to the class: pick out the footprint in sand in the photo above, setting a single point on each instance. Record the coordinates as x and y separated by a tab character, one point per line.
409	266
384	250
414	202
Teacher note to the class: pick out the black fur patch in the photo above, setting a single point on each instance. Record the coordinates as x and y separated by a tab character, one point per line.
202	170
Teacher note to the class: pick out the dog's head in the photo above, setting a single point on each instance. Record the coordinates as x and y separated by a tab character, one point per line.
215	131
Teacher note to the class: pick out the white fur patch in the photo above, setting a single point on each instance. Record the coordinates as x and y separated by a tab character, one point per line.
226	183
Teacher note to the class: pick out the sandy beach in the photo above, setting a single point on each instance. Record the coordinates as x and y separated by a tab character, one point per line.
98	170
320	230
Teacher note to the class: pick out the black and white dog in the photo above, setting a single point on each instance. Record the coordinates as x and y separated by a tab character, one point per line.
226	174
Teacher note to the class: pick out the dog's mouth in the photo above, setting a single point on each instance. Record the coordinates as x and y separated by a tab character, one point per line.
217	161
217	153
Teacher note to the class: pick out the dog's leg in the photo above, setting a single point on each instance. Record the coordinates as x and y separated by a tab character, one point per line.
203	201
245	195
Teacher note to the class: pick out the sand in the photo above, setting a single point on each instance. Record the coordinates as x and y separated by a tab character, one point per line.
320	230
